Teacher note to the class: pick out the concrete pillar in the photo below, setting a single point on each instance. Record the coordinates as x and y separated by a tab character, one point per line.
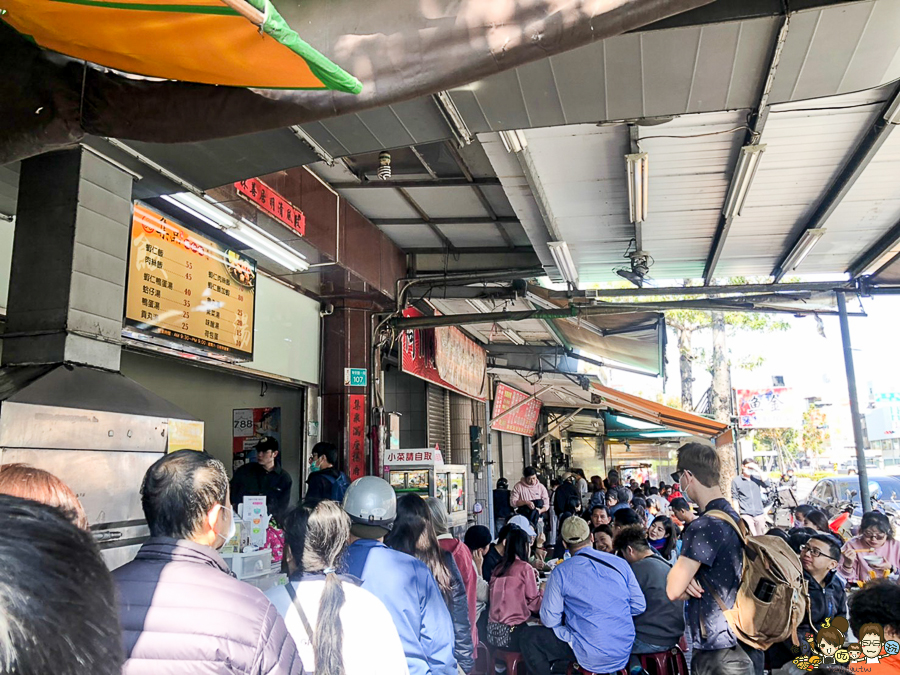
346	343
67	282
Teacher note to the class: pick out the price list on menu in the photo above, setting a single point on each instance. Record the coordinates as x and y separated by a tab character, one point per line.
187	288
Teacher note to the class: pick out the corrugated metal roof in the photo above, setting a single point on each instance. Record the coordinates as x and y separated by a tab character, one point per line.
839	49
871	207
664	72
689	180
808	143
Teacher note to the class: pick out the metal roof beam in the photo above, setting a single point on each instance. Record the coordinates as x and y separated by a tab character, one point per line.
754	133
436	182
699	290
465	293
850	173
444	221
485	204
875	252
424	216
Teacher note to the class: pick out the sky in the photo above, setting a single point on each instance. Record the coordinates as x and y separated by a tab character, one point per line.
809	363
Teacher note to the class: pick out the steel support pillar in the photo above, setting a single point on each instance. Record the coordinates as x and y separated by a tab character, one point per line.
854	406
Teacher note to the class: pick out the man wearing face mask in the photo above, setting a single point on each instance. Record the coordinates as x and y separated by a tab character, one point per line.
181	610
325	480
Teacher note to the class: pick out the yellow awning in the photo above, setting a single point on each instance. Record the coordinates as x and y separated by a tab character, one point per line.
201	41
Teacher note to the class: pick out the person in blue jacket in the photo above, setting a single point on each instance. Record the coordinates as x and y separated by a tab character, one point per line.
404	584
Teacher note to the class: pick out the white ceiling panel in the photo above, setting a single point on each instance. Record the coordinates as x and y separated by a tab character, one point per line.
470	236
448	202
412	236
379	203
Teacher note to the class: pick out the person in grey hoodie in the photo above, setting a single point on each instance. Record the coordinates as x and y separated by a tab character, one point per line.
181	610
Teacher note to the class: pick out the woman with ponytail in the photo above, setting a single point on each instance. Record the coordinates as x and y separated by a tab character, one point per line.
339	628
413	534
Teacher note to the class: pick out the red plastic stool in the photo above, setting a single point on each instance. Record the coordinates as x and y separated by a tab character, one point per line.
515	664
482	660
669	662
575	669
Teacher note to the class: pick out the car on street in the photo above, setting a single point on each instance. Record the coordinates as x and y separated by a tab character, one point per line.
831	495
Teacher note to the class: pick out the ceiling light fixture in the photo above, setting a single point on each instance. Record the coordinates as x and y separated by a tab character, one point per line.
562	257
809	239
384	165
748	163
638	185
242	230
316	147
454	118
892	116
514	141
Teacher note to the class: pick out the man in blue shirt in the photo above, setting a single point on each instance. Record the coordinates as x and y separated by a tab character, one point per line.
405	585
711	563
586	610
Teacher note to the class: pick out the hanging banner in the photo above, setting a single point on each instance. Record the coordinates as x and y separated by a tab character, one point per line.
445	357
185	288
520	421
776	408
357	436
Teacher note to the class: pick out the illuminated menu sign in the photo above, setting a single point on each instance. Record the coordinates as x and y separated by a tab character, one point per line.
187	288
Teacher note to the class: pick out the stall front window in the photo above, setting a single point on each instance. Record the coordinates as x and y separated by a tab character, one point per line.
440	490
457	497
398	480
417	480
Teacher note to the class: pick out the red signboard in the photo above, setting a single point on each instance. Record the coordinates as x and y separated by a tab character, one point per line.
273	203
523	419
444	356
357	424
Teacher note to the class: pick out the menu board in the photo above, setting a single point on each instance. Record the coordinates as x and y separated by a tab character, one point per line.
187	288
523	419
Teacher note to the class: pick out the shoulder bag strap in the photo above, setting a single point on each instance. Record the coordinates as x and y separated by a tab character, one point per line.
597	561
296	602
723	516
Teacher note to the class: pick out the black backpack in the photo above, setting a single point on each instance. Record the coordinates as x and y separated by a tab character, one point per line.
567	499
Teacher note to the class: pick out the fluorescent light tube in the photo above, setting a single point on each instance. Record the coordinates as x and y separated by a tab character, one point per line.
638	186
454	117
564	263
514	141
748	163
242	230
317	148
809	239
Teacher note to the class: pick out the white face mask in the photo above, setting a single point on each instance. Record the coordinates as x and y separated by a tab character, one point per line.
232	528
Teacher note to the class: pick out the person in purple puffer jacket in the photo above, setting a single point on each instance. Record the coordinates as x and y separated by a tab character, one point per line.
181	610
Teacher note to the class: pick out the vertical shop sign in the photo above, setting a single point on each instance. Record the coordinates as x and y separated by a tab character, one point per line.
357	421
248	426
254	190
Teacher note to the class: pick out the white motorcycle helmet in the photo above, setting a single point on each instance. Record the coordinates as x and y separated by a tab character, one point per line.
371	504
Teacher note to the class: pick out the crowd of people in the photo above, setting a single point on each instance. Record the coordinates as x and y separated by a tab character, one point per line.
378	584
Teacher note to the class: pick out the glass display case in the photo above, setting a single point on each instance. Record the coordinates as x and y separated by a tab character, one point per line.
447	482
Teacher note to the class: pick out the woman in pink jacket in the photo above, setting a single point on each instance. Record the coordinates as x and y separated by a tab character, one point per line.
514	593
873	552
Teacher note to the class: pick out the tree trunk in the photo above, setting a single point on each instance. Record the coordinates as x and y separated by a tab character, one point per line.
720	398
686	364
